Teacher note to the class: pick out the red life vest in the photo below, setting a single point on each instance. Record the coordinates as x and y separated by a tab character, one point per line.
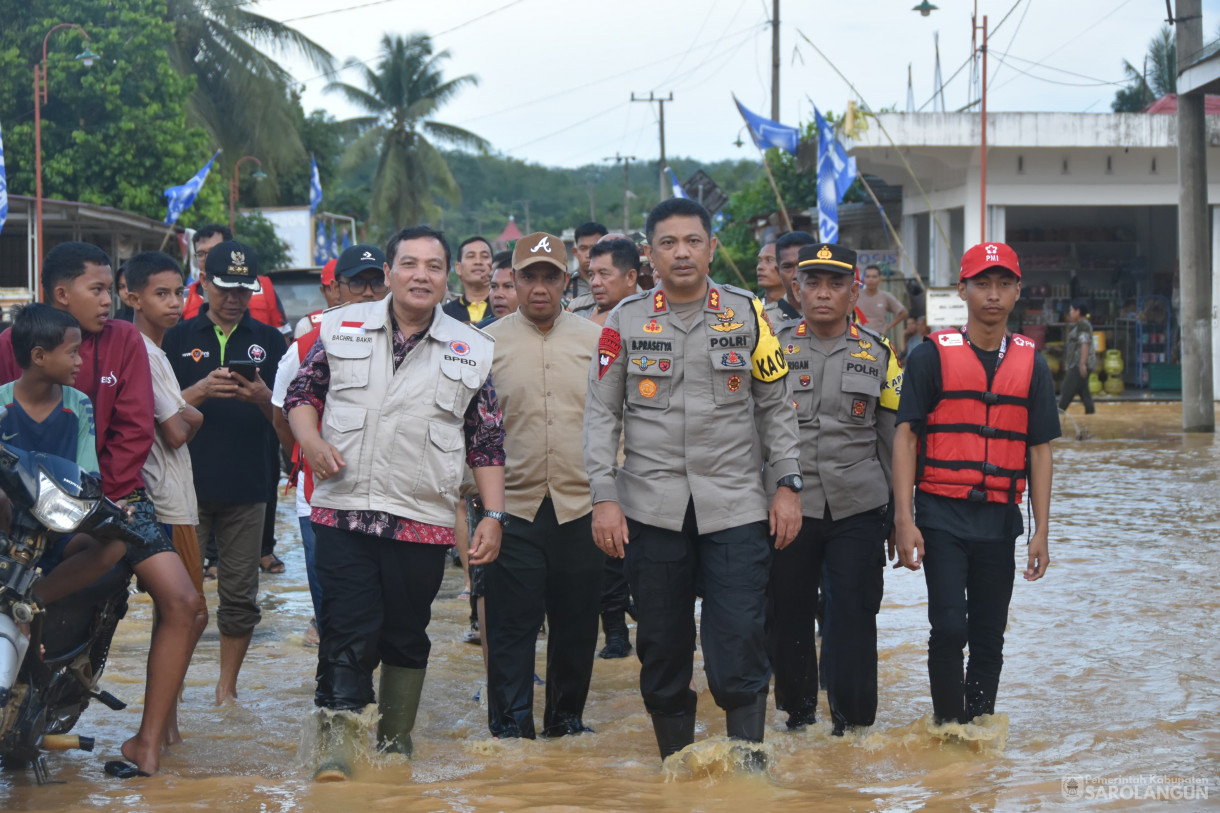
300	464
974	445
262	303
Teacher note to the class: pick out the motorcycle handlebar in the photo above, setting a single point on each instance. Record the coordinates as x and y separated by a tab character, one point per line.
116	524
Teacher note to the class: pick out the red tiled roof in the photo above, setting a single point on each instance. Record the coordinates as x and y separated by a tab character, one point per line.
1169	104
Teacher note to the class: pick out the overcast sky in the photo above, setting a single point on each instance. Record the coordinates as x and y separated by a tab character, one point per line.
556	76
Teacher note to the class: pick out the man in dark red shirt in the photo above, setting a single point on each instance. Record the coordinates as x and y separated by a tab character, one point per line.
77	277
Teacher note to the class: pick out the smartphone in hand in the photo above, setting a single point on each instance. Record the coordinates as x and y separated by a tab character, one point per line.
245	369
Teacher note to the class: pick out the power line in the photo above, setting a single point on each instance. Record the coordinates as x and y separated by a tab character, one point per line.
593	82
351	64
1094	83
585	120
1012	39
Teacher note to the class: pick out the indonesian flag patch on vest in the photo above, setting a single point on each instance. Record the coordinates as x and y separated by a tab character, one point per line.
351	327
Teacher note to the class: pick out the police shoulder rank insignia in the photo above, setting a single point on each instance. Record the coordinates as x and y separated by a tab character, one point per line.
853	331
802	329
648	387
658	302
725	323
653	326
608	348
858	407
863	353
734	383
643	362
713	299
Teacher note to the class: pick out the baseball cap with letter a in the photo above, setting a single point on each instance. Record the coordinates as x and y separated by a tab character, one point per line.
540	247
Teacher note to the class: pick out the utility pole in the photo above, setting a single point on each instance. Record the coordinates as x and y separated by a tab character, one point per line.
626	161
526	204
1194	271
775	60
661	104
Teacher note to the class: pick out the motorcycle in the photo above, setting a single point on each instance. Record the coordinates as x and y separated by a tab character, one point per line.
52	659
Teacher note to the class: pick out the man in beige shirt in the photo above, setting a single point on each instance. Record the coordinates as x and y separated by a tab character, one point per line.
548	564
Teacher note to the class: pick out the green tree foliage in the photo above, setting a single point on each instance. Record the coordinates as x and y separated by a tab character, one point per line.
241	95
401	97
496	186
257	232
1161	78
115	134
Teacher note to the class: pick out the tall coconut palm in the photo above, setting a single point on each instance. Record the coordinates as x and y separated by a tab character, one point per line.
242	97
400	96
1159	78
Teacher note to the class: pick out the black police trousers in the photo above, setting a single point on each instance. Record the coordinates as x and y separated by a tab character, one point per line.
729	569
847	557
616	595
969	588
544	569
376	604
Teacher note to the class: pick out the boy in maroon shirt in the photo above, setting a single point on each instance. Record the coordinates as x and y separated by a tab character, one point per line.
77	277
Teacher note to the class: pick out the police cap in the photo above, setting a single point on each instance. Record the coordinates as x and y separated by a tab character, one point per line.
830	257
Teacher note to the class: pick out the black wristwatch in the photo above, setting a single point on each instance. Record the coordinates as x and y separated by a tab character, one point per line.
499	516
792	481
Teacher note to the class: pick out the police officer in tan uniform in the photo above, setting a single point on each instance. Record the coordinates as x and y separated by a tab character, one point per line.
845	382
693	376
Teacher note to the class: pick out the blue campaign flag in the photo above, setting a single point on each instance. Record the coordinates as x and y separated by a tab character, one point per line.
332	248
319	249
3	187
180	198
346	242
767	133
836	173
315	189
679	192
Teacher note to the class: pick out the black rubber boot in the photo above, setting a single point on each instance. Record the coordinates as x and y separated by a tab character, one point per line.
618	644
673	733
749	723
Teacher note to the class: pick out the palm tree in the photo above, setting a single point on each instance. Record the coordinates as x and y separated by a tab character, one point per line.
1159	78
400	98
242	96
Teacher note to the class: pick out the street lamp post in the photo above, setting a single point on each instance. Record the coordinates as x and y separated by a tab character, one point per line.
258	176
87	57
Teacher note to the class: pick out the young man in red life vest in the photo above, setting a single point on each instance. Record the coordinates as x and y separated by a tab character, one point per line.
330	293
265	306
358	276
975	423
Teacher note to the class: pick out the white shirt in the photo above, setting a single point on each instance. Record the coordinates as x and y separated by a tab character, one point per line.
171	484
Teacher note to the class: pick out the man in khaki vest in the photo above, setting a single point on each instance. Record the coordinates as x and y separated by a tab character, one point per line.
407	397
548	565
693	377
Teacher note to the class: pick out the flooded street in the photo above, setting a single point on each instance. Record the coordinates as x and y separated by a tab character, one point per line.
1110	672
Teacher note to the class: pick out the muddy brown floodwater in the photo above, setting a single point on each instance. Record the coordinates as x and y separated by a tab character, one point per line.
1109	688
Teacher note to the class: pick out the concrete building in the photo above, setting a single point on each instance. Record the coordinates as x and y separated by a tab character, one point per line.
1088	200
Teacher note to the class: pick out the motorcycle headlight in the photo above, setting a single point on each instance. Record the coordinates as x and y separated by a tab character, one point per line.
56	510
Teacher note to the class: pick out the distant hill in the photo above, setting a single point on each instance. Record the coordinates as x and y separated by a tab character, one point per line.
495	186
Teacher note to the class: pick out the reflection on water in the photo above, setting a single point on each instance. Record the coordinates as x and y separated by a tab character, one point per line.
1110	671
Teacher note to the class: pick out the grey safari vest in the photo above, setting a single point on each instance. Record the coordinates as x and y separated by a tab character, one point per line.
399	431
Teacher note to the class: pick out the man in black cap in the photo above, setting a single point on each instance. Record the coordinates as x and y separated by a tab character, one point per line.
225	362
845	385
